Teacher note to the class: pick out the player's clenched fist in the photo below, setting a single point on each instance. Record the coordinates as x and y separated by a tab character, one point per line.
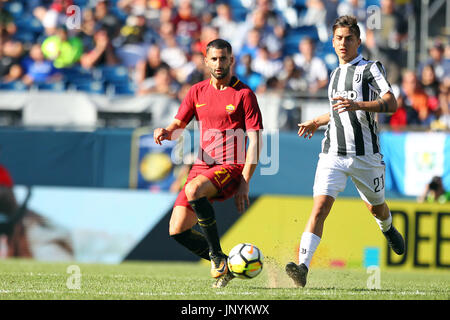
160	135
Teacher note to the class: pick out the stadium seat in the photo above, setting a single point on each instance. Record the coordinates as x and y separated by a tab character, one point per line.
89	86
54	86
25	36
369	3
295	35
123	88
113	74
76	74
239	12
16	8
13	85
29	23
81	3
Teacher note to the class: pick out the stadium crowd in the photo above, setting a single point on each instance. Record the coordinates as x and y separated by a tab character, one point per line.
139	47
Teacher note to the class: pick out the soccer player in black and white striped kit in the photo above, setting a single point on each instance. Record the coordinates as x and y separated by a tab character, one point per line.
357	90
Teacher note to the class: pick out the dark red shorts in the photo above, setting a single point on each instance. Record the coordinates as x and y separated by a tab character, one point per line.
225	177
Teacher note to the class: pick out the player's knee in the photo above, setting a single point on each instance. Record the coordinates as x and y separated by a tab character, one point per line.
176	228
192	191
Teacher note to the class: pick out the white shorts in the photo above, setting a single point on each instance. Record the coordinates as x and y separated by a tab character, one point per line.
366	172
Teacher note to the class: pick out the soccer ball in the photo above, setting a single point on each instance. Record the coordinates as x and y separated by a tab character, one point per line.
245	261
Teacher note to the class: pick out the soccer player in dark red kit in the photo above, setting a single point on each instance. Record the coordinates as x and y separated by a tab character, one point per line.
228	115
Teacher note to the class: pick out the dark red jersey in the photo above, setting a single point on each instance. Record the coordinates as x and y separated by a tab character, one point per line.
224	117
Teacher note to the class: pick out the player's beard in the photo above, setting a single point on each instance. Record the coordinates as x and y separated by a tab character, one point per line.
225	72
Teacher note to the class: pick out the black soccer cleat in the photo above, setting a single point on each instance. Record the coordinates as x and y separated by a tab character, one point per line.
297	273
395	240
219	265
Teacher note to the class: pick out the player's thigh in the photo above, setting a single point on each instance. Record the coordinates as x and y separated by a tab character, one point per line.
331	176
368	176
182	219
200	187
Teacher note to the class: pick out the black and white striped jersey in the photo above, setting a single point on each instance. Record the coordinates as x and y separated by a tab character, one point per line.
354	132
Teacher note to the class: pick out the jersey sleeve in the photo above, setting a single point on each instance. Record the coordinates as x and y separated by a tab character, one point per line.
253	117
186	110
377	79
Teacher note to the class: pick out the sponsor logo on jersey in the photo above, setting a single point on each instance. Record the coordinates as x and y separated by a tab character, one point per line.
351	94
230	108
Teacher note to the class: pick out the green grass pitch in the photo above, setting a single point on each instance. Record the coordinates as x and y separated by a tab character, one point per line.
28	280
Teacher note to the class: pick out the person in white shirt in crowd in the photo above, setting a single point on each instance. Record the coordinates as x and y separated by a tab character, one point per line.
314	68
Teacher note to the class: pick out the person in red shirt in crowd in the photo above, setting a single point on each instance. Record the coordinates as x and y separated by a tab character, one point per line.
187	25
226	110
414	106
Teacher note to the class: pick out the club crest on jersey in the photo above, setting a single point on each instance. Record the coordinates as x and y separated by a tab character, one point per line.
351	94
358	77
230	108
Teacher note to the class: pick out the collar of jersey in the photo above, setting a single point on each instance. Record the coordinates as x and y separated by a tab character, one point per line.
354	61
233	82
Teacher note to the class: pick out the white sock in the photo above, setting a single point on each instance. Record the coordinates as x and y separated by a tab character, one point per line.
308	246
385	225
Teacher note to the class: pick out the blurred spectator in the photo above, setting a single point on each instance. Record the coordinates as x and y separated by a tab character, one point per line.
268	37
37	69
11	53
54	16
26	233
7	26
385	44
106	19
134	30
144	7
171	51
88	28
102	54
63	50
146	69
291	77
247	75
132	43
265	65
431	87
356	8
163	83
230	30
443	122
251	45
272	89
187	25
413	95
437	60
196	70
412	108
273	18
434	192
313	68
208	34
315	15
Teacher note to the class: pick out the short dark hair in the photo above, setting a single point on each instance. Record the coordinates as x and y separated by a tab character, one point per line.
347	22
219	44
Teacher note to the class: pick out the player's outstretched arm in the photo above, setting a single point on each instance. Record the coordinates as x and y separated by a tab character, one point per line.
308	128
172	132
251	161
387	103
